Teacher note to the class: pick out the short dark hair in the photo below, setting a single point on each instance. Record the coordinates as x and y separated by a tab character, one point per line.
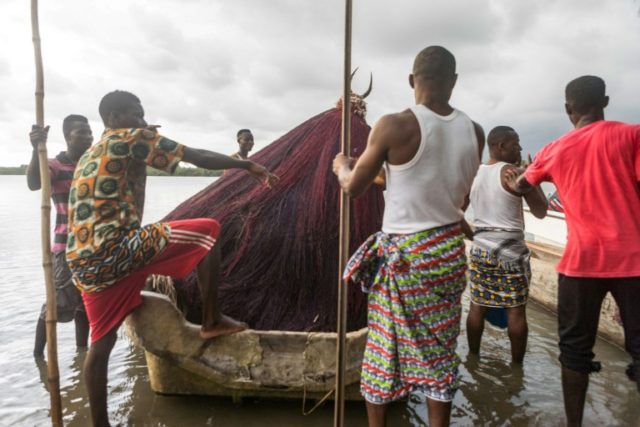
434	62
117	101
241	131
585	92
498	134
67	123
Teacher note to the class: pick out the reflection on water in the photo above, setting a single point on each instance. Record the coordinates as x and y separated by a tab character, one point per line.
492	392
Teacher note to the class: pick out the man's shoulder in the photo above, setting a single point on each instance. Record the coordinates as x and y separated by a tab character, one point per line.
632	129
398	124
398	117
60	163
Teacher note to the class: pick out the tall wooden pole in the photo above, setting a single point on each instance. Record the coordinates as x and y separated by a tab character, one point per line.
53	376
343	252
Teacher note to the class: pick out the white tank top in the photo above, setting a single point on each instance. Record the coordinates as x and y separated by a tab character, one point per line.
429	190
493	206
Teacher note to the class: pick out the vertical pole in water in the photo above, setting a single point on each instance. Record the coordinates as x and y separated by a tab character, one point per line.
343	252
53	376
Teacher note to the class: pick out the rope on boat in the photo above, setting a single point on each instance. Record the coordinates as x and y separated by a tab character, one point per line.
317	405
162	285
304	385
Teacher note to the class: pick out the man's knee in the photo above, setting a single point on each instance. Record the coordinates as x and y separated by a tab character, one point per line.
577	361
104	345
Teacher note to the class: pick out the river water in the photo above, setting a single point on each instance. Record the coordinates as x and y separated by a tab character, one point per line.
492	393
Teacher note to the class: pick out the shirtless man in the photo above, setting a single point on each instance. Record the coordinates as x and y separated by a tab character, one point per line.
414	269
245	143
111	253
499	269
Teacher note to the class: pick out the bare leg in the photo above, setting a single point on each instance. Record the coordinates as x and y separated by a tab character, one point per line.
518	332
82	329
439	413
41	338
214	323
377	415
95	376
475	327
574	389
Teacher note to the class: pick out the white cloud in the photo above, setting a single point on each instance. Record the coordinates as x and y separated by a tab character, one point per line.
204	68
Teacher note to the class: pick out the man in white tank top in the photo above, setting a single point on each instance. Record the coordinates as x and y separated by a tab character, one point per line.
499	269
414	269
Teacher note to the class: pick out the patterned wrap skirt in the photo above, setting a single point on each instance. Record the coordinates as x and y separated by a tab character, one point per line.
111	285
499	271
415	282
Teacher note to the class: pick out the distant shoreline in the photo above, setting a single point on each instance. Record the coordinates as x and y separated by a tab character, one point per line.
180	171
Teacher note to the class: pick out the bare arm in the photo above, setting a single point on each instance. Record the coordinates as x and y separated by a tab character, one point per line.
210	160
215	161
480	137
466	227
538	204
355	182
519	185
37	135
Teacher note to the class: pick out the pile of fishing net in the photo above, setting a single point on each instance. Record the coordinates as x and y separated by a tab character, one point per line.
280	245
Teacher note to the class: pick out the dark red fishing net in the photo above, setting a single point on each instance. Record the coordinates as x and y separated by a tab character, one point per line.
280	246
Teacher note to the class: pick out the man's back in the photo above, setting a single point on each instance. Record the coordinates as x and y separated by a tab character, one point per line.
596	169
428	190
493	206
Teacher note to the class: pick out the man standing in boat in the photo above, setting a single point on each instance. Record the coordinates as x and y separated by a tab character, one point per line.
596	170
414	269
499	269
109	251
245	144
78	136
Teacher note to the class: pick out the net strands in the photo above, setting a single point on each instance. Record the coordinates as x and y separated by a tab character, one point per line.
280	246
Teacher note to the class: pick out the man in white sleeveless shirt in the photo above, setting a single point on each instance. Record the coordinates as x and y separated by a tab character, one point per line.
499	269
414	269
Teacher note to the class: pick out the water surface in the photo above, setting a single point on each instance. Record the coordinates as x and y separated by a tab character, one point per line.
492	393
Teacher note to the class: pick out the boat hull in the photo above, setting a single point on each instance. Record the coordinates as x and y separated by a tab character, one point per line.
544	290
277	364
552	229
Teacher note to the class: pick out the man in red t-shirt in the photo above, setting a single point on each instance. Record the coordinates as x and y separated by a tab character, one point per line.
596	170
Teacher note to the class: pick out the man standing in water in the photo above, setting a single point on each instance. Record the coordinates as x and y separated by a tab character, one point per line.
499	269
596	170
77	134
414	269
245	144
109	251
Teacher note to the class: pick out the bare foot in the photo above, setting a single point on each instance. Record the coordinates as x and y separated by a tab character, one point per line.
225	326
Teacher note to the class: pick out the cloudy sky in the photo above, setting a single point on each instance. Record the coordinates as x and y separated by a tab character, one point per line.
205	68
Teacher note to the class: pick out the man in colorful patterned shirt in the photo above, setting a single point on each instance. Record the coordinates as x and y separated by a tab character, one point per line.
111	253
78	137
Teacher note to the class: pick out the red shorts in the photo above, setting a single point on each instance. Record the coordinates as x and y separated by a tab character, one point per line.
189	242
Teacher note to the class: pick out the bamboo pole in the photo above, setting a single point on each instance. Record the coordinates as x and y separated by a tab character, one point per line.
343	252
53	376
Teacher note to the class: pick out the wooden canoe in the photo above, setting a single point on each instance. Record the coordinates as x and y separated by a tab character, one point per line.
275	364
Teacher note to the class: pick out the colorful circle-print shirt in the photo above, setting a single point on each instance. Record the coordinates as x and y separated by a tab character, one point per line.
107	192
